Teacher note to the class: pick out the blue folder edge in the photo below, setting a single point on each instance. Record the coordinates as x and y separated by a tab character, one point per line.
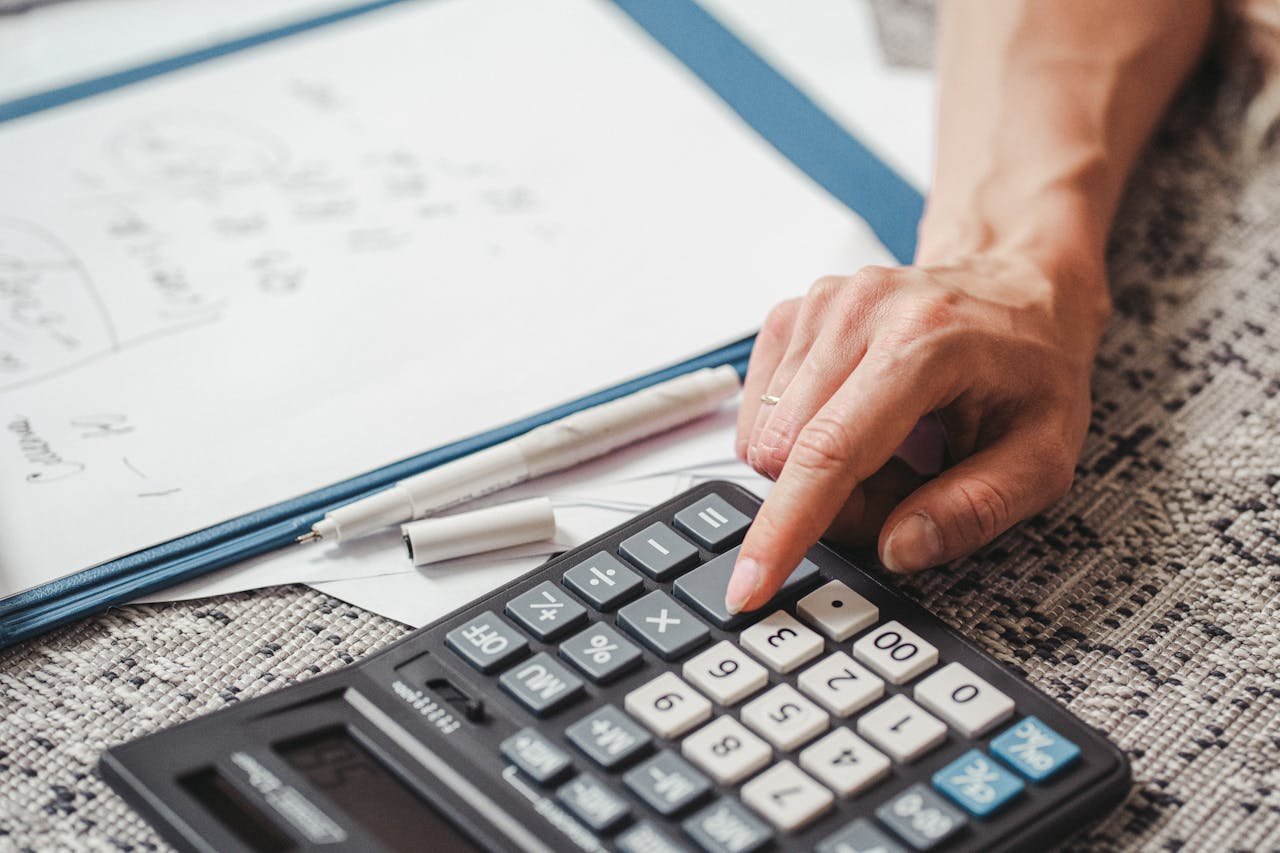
779	112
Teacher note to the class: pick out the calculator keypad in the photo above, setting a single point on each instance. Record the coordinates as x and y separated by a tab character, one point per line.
812	703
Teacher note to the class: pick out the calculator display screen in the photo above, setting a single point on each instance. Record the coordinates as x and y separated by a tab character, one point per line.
369	793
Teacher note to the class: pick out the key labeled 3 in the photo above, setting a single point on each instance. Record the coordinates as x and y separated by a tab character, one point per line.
781	641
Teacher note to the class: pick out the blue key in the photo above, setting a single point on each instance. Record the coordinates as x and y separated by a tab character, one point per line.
1034	750
977	784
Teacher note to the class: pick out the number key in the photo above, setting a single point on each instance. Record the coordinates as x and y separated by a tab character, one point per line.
902	728
845	762
785	718
725	749
781	642
725	673
785	796
840	684
667	705
895	653
964	700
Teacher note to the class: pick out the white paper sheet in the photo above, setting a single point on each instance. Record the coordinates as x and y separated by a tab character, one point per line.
253	278
589	500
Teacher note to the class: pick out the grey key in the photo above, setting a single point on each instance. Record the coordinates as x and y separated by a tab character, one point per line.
860	836
667	783
664	626
727	827
704	589
603	581
592	803
601	653
659	551
921	817
546	611
644	837
540	759
608	737
541	684
713	523
487	642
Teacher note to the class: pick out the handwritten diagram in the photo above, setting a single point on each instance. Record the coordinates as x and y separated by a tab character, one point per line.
51	314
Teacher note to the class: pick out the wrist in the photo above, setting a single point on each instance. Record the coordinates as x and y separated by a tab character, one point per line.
1056	231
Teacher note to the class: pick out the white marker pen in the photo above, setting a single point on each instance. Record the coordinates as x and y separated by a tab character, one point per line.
552	447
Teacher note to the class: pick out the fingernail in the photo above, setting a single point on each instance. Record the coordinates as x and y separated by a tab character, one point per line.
742	583
916	543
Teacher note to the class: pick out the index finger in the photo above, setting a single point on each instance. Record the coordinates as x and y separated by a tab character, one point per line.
850	438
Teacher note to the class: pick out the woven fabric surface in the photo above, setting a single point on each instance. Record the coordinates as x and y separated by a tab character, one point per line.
1146	601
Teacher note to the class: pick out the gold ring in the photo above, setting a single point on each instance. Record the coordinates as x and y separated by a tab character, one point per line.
770	399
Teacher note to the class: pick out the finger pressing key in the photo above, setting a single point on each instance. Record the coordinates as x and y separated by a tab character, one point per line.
850	437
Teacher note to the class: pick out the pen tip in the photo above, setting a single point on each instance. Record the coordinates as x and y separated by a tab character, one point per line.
309	536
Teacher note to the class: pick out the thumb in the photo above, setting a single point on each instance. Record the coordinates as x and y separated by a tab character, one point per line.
975	501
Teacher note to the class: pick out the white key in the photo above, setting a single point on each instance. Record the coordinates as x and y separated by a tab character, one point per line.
972	706
837	611
726	750
667	705
781	642
845	762
786	797
725	673
840	684
896	654
785	718
902	728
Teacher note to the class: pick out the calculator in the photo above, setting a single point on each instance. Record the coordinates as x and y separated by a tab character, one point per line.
609	701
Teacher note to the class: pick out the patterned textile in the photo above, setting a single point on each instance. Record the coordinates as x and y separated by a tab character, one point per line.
1146	601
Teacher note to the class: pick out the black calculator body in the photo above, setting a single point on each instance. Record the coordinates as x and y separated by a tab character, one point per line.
607	701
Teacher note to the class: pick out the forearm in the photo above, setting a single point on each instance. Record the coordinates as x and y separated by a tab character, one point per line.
1044	107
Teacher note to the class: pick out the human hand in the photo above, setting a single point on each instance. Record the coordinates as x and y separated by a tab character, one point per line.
997	346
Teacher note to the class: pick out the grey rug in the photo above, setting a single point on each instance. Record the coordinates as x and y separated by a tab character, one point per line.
1146	601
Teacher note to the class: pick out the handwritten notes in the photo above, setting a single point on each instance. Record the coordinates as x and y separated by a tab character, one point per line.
255	277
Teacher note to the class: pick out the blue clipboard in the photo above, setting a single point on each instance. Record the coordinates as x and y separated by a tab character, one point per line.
777	110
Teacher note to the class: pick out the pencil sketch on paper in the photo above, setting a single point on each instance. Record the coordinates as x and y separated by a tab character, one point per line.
51	314
196	151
